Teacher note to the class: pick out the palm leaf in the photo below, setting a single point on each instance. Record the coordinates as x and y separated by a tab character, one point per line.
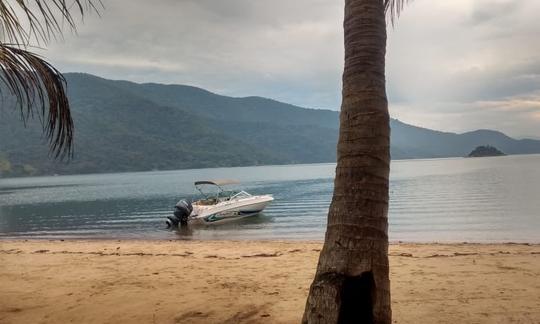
394	8
24	20
38	88
36	85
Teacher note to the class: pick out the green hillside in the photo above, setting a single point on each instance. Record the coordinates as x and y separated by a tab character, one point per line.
125	126
122	130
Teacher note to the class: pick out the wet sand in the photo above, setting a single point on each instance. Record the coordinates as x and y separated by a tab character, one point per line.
252	282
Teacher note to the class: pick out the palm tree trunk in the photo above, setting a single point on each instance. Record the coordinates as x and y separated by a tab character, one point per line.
352	281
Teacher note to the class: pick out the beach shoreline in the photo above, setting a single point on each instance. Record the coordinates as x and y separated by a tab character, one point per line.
188	281
105	239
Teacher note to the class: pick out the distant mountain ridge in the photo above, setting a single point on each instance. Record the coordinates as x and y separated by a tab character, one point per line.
126	126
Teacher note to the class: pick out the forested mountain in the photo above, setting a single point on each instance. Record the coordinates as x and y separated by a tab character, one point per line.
125	126
485	151
416	142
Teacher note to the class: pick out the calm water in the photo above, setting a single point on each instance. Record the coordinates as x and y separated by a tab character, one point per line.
481	200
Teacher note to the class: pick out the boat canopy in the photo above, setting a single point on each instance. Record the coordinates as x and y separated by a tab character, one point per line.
220	182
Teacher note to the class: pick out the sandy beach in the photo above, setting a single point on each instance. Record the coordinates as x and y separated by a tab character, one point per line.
252	282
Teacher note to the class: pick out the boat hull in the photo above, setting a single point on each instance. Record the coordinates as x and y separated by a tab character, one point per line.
230	211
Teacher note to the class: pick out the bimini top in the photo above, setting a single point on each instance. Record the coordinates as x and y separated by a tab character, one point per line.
220	182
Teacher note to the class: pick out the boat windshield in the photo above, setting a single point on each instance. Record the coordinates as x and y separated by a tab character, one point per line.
213	193
241	194
208	191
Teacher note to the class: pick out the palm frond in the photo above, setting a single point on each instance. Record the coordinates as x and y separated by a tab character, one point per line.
37	86
21	21
394	8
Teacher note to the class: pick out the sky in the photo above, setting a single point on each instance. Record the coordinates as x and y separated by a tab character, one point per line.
453	65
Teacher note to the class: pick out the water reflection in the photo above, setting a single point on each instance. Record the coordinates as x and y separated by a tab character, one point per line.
223	230
486	199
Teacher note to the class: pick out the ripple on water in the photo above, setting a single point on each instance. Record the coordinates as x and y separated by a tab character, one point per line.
430	200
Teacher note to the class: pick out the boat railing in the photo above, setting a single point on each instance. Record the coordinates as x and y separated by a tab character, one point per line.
241	194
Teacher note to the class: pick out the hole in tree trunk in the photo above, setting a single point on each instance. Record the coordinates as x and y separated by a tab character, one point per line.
357	296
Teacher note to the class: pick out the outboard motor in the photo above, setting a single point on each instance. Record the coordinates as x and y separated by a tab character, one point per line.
182	210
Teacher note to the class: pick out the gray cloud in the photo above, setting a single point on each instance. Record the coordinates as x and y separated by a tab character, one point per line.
452	65
485	13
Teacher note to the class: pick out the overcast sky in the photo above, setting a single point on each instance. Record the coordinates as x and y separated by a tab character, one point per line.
452	65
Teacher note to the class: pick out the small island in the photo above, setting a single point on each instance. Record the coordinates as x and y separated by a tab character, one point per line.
482	151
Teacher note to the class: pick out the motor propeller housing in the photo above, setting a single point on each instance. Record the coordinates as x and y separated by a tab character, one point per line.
182	210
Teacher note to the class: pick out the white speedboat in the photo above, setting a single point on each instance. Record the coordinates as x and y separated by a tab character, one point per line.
219	206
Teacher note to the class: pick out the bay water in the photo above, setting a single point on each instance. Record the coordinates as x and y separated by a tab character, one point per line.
495	199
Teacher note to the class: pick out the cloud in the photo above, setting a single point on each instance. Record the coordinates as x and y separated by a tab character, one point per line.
236	47
493	12
452	65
